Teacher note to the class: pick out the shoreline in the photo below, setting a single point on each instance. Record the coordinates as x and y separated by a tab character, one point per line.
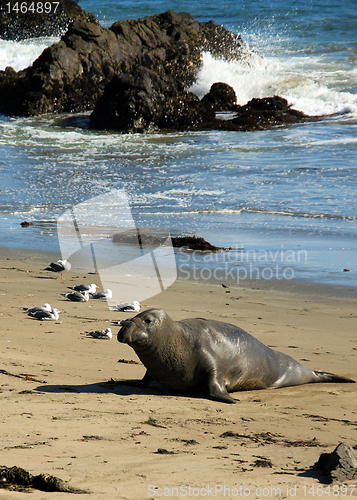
298	286
268	253
61	416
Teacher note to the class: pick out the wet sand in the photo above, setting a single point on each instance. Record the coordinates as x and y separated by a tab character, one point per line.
61	415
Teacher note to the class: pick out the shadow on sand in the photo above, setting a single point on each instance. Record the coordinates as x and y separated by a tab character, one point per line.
321	477
121	388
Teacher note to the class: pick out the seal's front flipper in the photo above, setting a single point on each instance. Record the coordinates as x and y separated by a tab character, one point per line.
145	381
220	393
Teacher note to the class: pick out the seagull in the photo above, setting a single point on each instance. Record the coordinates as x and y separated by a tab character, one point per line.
101	334
46	315
126	307
59	266
107	294
77	296
45	307
85	288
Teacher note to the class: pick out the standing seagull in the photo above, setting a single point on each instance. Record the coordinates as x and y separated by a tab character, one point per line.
31	310
107	294
59	266
46	315
126	307
77	296
101	334
85	288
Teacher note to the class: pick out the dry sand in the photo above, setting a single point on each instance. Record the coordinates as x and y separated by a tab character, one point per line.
60	416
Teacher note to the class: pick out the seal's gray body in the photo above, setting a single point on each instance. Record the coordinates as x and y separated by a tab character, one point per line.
210	355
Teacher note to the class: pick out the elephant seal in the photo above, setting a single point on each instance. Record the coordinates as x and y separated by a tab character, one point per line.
216	357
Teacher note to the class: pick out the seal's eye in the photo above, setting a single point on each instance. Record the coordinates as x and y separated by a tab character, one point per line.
147	320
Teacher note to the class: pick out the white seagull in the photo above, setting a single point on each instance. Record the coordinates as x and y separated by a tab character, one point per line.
77	296
85	288
126	307
45	307
46	315
107	294
101	334
59	266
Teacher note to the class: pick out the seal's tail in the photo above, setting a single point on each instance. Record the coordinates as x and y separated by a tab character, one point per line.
330	377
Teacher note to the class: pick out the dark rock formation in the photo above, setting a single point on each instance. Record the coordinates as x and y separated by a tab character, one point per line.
147	239
194	243
340	465
261	114
27	19
68	76
135	76
221	97
145	102
71	75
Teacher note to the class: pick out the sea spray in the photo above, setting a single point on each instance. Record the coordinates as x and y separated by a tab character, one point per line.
23	53
300	79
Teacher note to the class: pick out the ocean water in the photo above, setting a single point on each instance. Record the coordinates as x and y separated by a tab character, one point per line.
283	200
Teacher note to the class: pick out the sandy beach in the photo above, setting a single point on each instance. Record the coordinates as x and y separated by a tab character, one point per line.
61	415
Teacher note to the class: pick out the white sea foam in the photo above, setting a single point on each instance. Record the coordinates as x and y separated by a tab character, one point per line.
189	192
307	83
22	54
244	76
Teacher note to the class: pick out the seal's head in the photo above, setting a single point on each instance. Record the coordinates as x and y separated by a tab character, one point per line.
141	330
